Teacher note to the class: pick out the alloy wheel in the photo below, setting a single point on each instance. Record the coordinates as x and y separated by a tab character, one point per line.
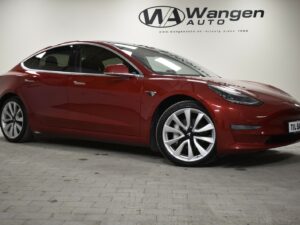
12	119
189	134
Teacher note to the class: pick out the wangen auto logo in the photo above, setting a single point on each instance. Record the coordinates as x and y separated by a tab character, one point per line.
162	16
169	16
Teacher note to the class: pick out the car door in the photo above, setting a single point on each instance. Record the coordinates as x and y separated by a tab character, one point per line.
100	102
45	85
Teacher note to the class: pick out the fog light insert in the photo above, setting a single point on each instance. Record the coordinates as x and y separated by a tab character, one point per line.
244	127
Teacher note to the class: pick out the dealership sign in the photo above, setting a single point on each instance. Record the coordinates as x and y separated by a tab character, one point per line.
168	16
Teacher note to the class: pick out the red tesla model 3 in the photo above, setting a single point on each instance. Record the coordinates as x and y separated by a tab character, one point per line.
145	96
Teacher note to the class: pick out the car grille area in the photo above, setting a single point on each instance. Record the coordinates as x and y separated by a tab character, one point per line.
283	139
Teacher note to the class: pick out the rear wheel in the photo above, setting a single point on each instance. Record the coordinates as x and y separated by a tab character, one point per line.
14	122
186	134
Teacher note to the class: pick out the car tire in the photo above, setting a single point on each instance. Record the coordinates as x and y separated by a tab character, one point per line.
186	134
14	121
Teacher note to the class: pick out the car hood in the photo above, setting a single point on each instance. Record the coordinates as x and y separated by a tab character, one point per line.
263	92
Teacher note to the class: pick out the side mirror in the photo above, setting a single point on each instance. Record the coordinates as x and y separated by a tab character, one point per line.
116	69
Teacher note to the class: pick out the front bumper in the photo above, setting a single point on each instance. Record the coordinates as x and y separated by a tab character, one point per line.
269	120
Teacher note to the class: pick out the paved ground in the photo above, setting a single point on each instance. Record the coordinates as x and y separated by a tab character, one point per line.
78	182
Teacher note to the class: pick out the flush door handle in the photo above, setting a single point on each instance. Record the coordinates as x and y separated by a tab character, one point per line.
78	83
29	80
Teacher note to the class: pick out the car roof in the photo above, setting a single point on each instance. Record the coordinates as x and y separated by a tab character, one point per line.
111	43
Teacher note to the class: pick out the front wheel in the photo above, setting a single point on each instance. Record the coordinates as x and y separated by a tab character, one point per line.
14	122
186	134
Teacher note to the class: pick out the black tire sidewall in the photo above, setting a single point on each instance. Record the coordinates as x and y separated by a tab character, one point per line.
25	122
159	128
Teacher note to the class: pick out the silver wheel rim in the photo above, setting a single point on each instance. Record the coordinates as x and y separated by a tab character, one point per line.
189	134
12	119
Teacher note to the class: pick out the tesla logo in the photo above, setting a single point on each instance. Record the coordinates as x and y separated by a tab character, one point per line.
162	16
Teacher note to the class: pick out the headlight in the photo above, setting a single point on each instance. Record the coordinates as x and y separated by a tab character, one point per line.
233	95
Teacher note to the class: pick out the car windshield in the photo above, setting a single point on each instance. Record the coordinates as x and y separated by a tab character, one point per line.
163	62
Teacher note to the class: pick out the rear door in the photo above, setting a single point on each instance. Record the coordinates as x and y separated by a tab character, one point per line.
45	85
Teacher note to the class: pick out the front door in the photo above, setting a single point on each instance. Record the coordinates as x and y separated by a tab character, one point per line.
103	103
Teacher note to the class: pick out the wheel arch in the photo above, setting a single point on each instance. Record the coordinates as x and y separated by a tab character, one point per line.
11	94
7	96
163	105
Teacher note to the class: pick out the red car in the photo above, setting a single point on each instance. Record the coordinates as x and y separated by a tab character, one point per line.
145	96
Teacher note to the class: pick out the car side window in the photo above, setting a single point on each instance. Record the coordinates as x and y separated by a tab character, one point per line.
93	59
56	59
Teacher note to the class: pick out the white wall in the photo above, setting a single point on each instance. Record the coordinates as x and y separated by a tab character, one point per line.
269	52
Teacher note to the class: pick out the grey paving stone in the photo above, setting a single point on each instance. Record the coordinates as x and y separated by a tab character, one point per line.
47	182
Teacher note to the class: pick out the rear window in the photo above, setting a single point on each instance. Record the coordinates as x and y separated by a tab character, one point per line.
57	59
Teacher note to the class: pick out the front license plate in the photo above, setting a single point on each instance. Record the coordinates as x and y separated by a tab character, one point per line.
294	127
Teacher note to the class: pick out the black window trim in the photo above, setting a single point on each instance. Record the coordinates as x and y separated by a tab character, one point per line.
140	74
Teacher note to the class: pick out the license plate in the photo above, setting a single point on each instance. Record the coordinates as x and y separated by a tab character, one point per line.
294	127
